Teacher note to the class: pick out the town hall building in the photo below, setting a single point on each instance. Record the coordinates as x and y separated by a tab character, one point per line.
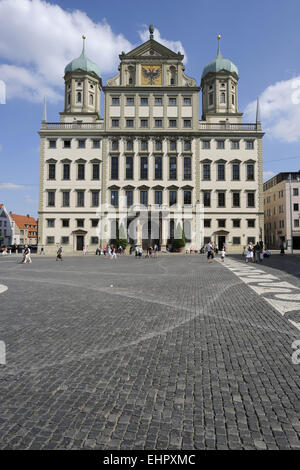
149	164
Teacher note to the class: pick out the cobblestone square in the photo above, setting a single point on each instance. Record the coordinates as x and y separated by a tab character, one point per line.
167	353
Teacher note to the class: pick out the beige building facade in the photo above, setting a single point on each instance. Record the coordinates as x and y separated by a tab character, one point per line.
282	210
150	165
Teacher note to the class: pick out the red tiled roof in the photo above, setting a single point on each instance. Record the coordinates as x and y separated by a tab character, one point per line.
22	220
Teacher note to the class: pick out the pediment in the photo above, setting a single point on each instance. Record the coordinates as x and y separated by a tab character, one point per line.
152	49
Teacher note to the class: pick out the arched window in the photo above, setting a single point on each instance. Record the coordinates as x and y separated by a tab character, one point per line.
91	99
69	98
79	97
223	97
172	75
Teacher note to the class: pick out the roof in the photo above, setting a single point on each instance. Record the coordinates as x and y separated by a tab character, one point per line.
22	220
1	205
83	63
218	64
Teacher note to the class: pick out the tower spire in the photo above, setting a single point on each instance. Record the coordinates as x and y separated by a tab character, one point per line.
151	31
258	121
44	110
219	50
83	45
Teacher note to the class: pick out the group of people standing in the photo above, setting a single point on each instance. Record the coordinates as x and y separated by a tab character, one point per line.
213	249
255	253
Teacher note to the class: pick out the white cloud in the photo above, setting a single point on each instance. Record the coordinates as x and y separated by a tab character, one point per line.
12	186
175	46
280	110
38	39
268	174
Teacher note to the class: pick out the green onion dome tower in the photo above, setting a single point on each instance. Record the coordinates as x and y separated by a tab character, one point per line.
82	88
219	88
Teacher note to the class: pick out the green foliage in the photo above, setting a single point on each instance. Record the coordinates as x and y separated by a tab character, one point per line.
121	239
179	242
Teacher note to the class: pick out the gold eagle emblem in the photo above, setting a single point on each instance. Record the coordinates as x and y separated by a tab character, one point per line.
151	74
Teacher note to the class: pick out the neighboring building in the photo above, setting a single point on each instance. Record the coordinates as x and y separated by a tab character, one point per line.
150	149
6	228
282	205
25	229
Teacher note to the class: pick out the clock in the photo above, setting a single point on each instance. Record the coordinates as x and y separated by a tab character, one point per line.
151	75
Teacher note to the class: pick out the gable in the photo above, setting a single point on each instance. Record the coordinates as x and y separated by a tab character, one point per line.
152	49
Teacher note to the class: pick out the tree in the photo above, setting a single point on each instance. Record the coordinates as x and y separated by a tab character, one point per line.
121	237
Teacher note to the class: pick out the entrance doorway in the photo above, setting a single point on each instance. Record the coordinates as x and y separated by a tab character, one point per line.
79	242
221	241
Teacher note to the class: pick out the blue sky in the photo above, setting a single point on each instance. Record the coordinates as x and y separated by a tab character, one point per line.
37	39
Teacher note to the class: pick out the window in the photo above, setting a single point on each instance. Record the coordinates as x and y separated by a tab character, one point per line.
91	99
251	240
114	175
250	173
79	97
206	171
236	199
94	222
129	168
207	223
115	122
232	99
66	198
158	168
129	145
158	101
158	197
144	145
249	145
173	146
158	122
173	168
67	144
221	172
80	222
296	223
236	240
129	101
187	101
51	198
172	122
221	223
65	222
206	144
115	145
114	198
251	223
129	122
235	145
296	207
235	171
221	199
187	168
172	101
172	198
210	99
96	171
81	144
69	98
251	200
222	97
295	192
50	223
129	198
50	240
144	101
52	144
115	101
144	168
187	197
51	171
95	198
187	123
144	198
66	171
220	144
206	198
80	171
64	240
187	146
80	198
144	122
94	240
236	223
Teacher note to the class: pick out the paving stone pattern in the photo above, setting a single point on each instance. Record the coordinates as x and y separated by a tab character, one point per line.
178	354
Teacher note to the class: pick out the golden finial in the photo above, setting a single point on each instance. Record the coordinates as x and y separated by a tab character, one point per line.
83	36
219	36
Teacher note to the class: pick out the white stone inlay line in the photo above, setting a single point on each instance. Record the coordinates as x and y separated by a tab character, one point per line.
3	288
263	283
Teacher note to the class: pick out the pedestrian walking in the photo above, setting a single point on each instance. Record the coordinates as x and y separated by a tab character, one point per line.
114	253
223	252
282	249
84	250
59	254
249	256
210	252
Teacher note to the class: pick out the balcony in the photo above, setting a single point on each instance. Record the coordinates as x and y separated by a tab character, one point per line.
72	126
226	126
